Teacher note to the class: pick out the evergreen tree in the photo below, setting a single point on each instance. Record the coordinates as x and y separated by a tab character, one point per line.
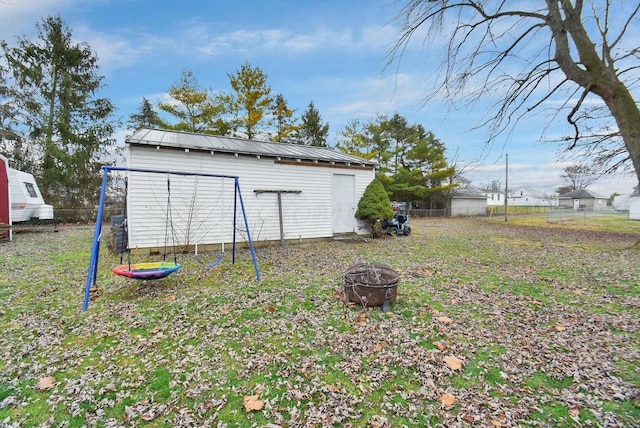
252	101
365	141
400	137
374	205
197	109
285	122
411	161
146	117
312	131
418	168
11	142
55	83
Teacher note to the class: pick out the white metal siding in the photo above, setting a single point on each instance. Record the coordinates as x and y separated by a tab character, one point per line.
210	220
468	207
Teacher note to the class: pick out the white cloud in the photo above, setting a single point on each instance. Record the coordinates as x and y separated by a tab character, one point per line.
283	41
19	17
114	50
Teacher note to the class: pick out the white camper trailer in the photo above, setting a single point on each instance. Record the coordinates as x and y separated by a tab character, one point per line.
26	200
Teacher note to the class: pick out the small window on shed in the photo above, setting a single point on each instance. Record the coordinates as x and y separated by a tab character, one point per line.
31	189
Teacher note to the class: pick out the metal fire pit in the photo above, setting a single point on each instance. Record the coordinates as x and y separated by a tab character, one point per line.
371	284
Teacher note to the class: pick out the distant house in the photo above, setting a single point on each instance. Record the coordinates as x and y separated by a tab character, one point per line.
583	199
494	197
468	201
528	197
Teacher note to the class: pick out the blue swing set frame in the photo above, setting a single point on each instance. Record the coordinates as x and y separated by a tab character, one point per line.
95	252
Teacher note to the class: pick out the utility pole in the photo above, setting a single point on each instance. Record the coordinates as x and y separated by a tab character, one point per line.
506	187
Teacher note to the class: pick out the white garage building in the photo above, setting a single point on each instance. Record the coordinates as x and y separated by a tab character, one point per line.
290	192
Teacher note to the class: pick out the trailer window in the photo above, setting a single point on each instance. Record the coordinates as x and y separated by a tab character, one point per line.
31	189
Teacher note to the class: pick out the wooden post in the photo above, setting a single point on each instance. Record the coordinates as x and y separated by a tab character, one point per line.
280	217
506	187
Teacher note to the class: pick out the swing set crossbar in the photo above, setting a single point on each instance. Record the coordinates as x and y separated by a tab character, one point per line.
159	273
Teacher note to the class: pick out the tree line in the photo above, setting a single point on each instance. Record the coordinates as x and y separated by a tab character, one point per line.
54	124
577	53
250	111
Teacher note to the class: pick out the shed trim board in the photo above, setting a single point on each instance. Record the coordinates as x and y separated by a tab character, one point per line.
306	215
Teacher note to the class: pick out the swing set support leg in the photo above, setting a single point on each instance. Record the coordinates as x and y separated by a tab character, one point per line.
95	252
246	225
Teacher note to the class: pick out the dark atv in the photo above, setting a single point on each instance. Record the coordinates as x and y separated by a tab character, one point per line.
399	224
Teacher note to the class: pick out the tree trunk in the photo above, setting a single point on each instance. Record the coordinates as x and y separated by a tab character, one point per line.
625	111
594	73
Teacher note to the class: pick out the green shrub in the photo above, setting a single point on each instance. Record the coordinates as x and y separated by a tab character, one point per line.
374	205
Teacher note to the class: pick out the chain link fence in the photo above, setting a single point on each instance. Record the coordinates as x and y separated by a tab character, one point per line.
586	215
427	213
85	215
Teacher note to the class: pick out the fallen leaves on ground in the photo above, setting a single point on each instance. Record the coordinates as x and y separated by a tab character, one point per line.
447	400
45	383
440	345
361	319
252	403
454	363
540	320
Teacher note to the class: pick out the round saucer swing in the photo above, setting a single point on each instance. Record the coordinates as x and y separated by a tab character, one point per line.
147	271
150	270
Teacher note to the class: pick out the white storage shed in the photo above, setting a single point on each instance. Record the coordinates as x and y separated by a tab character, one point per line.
467	201
289	191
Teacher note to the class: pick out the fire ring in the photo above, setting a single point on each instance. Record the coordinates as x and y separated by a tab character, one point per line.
371	284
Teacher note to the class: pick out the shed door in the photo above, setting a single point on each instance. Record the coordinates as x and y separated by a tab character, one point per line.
343	203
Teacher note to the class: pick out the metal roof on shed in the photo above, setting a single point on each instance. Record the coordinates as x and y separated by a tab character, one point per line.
582	194
468	193
215	143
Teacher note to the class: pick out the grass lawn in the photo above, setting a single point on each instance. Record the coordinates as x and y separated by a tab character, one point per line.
496	324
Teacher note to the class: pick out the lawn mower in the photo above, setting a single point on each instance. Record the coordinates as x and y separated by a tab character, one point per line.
399	224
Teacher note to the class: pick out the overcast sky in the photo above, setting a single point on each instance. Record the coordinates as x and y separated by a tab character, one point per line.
331	52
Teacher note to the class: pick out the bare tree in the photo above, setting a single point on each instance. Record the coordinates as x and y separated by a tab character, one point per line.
494	185
578	176
558	50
